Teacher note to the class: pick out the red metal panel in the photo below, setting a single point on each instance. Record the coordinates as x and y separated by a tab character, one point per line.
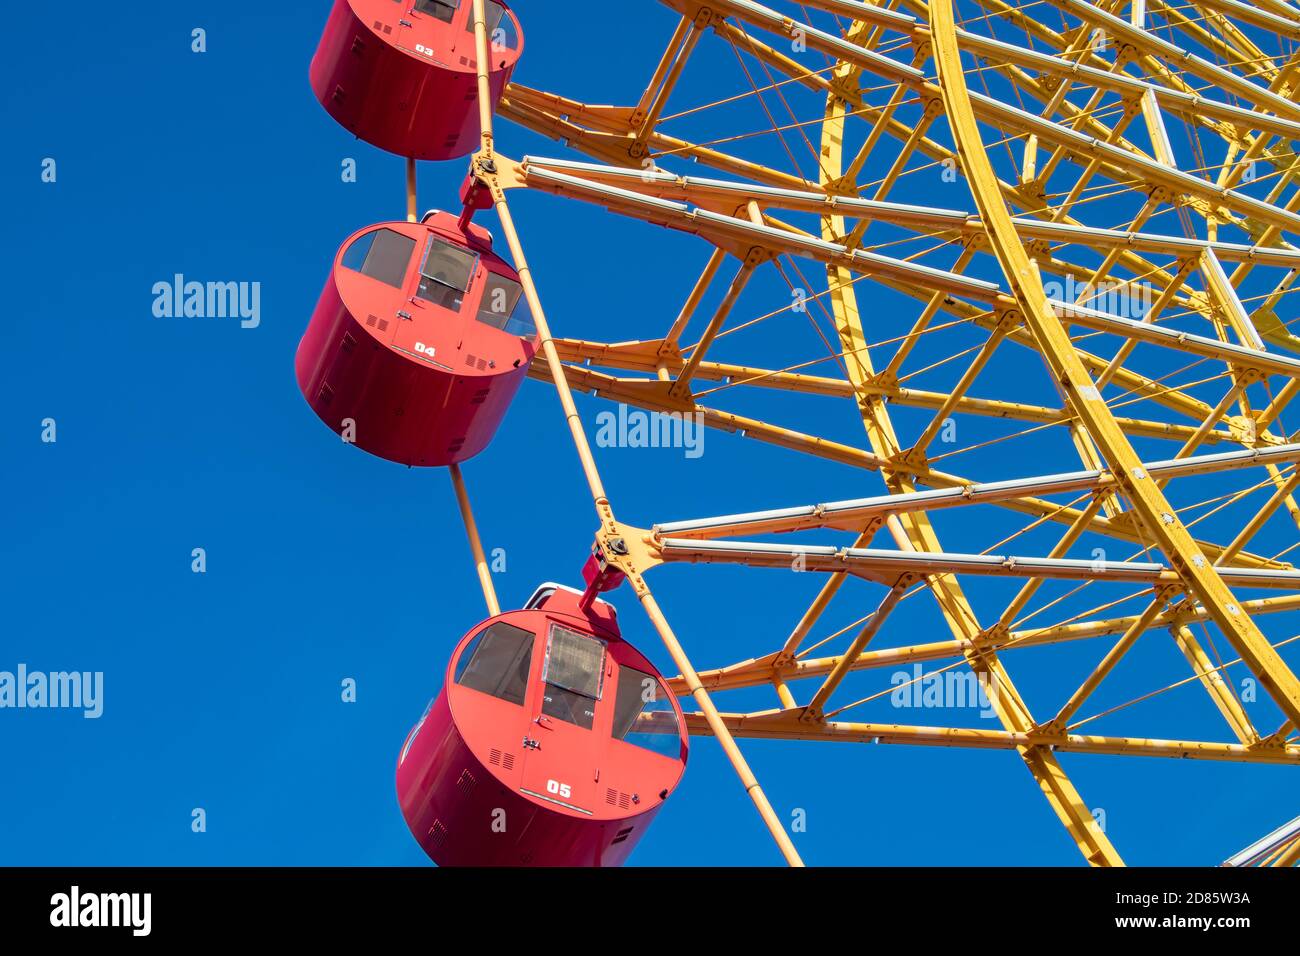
403	80
559	769
416	383
469	735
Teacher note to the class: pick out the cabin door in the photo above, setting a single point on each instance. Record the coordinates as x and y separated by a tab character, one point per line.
418	28
561	760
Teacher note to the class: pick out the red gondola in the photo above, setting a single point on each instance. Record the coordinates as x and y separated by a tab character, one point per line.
552	743
419	341
403	75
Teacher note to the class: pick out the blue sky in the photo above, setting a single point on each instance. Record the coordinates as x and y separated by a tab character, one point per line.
222	690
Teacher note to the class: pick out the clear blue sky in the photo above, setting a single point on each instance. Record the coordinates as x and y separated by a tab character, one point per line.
223	689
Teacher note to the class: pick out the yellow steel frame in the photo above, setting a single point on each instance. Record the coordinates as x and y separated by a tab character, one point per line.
1235	92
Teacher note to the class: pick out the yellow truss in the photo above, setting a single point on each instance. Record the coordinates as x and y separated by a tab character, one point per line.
1018	228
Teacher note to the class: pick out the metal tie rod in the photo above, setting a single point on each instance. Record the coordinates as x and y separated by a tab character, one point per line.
857	508
1185	341
829	558
931	217
1265	847
680	216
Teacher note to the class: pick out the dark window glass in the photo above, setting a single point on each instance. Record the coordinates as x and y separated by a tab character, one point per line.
500	27
575	669
568	706
446	273
521	322
575	662
381	254
497	662
643	714
444	10
503	306
500	296
439	294
494	12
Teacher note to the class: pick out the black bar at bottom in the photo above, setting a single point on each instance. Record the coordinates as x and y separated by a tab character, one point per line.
443	906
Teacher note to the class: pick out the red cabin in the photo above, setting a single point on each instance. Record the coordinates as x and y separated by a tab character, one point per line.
419	341
403	74
552	743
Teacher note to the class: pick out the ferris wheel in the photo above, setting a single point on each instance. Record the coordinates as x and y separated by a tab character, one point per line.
1046	249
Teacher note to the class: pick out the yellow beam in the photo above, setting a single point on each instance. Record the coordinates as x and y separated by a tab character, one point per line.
916	531
778	725
475	544
765	669
1155	512
488	173
845	663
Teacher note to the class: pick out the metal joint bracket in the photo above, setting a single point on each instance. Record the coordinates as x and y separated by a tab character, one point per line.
1274	741
812	715
1009	321
991	637
626	549
914	459
884	380
846	87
